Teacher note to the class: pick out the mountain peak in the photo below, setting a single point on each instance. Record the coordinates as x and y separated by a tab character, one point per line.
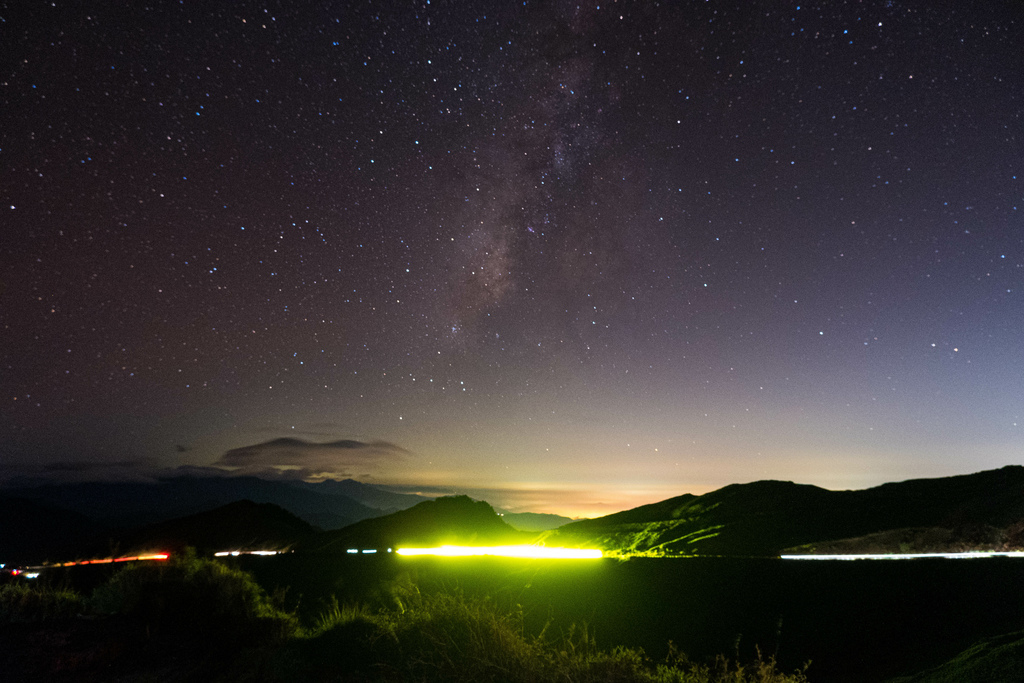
448	520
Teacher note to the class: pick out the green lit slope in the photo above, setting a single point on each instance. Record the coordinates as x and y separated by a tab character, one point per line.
764	517
455	520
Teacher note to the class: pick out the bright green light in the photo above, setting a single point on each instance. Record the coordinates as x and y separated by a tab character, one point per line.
528	551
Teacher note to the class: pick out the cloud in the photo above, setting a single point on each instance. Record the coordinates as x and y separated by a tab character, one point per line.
76	471
298	458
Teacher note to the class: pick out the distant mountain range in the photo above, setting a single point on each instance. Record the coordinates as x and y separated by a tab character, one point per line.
764	518
532	521
328	504
60	521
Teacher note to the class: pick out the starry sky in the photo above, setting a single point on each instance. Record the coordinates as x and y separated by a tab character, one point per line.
567	257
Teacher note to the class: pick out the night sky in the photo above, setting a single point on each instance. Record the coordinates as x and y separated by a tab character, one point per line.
564	257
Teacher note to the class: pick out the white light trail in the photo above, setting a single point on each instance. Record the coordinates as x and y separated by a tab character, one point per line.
236	553
969	555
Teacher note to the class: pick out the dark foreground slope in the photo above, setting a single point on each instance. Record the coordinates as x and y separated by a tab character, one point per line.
994	659
765	517
449	520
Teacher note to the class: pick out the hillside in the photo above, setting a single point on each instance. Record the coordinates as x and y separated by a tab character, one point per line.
33	532
242	525
972	537
764	517
447	520
1000	658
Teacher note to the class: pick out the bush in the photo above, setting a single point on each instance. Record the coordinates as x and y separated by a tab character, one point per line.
195	597
21	602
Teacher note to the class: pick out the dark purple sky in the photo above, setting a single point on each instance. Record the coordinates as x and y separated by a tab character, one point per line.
575	257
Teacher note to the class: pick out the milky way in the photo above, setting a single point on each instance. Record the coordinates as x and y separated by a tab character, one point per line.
569	256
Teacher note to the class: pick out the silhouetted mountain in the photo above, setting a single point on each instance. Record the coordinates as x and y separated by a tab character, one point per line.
242	525
370	495
533	521
448	520
32	532
765	517
134	504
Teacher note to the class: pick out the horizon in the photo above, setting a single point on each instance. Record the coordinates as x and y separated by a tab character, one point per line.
503	500
576	256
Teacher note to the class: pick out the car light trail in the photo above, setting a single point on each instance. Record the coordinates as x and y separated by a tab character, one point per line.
236	553
972	554
524	551
109	560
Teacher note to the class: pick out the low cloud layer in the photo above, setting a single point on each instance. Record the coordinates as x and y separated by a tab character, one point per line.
310	460
15	474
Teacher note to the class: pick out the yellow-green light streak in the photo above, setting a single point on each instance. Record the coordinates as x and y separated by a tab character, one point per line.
526	551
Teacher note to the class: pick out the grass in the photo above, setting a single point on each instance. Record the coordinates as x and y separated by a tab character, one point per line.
232	631
994	659
23	603
446	636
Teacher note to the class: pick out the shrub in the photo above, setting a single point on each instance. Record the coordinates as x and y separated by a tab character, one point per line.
195	596
21	602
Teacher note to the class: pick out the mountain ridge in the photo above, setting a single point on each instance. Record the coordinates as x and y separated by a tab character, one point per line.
446	520
762	518
239	526
136	504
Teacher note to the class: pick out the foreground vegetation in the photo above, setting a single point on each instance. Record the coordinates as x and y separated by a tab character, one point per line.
449	637
25	603
201	619
992	659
